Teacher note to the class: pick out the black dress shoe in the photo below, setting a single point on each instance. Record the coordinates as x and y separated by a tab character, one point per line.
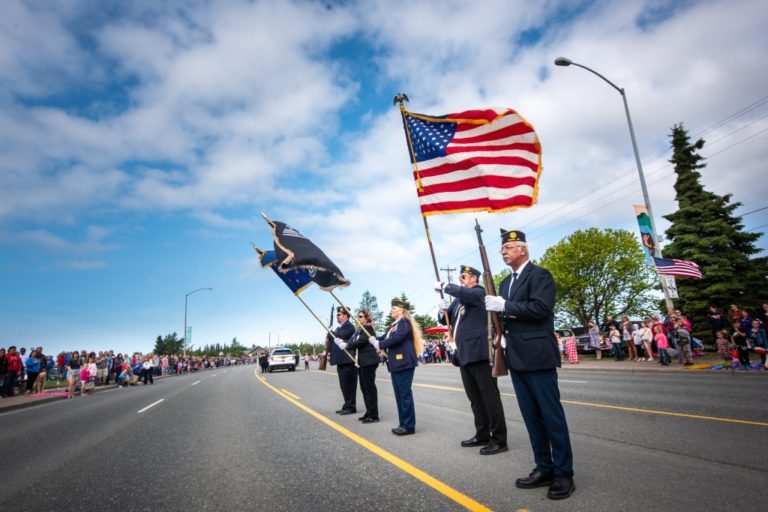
493	448
347	411
361	418
562	487
400	431
474	441
535	479
370	419
340	411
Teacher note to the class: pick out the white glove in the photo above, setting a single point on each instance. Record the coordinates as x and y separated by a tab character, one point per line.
494	303
374	341
439	286
443	306
503	341
340	343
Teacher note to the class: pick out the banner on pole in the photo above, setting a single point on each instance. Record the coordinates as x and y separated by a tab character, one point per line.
647	236
671	287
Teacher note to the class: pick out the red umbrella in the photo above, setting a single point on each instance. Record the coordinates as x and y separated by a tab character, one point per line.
435	330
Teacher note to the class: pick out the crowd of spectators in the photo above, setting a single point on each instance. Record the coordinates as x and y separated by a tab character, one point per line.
736	334
27	373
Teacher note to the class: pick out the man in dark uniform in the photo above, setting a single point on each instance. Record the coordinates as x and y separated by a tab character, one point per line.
469	323
526	303
345	366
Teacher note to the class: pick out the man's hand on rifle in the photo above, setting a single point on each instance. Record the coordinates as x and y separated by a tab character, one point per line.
340	343
494	303
443	306
374	341
439	287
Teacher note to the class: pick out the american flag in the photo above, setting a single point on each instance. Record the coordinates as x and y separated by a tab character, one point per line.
478	160
670	267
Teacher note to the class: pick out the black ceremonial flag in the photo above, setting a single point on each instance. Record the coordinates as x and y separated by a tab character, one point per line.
295	250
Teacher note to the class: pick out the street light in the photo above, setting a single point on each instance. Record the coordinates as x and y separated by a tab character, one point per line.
270	337
186	297
563	61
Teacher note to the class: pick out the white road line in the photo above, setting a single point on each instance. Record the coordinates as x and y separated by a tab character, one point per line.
213	375
573	381
196	382
150	405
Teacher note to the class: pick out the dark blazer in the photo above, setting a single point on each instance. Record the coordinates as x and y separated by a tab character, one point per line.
529	321
360	347
398	343
469	323
345	332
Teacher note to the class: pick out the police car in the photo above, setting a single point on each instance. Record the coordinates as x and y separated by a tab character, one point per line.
281	358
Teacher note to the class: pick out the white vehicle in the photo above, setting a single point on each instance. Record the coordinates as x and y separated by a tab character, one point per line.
281	358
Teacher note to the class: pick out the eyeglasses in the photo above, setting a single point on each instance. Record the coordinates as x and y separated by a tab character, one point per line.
508	248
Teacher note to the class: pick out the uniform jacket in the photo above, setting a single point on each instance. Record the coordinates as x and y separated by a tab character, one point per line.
529	322
398	343
361	348
469	323
345	332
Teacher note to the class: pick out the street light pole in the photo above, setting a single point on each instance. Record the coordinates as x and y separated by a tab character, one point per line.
563	61
186	297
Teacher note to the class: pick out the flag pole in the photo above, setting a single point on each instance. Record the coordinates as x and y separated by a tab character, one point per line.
400	98
352	316
354	359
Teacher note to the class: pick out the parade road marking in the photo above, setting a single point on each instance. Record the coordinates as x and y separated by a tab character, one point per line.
668	413
616	407
295	397
150	405
573	381
196	382
415	472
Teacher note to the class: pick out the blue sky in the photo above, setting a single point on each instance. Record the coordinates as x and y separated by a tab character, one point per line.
140	140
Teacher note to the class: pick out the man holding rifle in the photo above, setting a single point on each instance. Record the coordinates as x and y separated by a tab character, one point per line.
469	323
526	303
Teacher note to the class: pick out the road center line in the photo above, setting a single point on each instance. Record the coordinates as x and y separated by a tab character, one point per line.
196	382
418	474
150	405
615	407
295	397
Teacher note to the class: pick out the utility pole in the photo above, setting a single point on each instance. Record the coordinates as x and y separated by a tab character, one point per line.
448	270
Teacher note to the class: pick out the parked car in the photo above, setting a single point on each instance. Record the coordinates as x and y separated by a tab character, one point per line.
582	338
281	358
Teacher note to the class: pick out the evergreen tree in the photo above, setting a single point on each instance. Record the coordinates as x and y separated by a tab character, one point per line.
705	231
370	303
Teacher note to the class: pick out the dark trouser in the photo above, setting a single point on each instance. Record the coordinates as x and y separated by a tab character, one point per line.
743	355
10	383
483	394
618	353
402	383
348	383
31	378
663	356
539	399
368	387
146	374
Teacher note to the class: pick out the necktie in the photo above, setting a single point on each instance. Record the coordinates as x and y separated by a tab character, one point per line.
512	284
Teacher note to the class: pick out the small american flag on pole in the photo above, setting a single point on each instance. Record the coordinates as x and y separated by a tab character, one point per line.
670	267
478	160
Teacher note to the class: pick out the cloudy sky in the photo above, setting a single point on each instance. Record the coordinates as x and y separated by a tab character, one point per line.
140	140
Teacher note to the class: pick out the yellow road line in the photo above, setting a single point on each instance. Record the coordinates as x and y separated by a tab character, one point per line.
295	397
619	407
667	413
415	472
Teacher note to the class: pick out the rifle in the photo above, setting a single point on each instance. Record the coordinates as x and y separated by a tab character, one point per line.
499	363
328	340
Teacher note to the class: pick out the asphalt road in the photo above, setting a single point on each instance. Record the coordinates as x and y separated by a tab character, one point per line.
230	440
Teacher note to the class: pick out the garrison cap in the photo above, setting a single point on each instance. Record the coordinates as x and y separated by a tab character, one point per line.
342	309
400	303
466	269
512	236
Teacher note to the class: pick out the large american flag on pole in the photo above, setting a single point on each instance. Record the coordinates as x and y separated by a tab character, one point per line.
670	267
478	160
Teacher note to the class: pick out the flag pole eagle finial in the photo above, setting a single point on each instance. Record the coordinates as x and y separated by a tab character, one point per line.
400	98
